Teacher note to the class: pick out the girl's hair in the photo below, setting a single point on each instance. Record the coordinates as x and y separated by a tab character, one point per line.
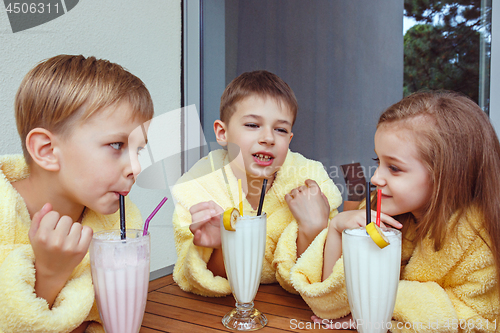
65	89
460	148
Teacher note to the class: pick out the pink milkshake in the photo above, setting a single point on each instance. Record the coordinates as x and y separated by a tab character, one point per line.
120	273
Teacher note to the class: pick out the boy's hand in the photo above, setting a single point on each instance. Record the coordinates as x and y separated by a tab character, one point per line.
205	226
311	209
59	245
309	206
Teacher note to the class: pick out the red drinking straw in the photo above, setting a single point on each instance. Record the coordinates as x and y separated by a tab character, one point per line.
146	224
379	205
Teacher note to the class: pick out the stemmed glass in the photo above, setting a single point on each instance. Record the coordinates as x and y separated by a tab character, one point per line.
243	251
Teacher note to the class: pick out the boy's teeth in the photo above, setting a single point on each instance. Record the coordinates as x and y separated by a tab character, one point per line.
263	157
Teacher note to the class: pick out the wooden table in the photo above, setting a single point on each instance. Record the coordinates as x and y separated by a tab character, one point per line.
169	309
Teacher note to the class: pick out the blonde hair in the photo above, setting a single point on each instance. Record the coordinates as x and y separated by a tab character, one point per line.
460	148
65	89
261	83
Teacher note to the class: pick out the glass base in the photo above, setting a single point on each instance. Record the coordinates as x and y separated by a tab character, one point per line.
244	318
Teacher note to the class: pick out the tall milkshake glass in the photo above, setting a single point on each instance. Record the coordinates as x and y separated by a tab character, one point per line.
120	273
243	251
372	277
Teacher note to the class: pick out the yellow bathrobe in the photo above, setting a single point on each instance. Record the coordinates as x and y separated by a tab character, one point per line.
200	184
20	309
438	292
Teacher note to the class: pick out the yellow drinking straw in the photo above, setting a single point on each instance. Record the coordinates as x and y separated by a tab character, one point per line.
241	197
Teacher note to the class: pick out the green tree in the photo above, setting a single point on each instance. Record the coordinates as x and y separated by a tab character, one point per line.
443	50
451	12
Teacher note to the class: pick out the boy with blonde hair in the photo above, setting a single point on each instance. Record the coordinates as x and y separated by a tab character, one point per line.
74	116
257	112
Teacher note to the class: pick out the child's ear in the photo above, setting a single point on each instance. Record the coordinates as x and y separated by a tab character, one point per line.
40	145
220	132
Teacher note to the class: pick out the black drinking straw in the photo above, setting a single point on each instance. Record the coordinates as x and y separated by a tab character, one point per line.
123	232
368	208
262	194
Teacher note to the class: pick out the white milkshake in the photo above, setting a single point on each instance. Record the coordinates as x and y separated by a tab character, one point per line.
120	273
243	251
372	277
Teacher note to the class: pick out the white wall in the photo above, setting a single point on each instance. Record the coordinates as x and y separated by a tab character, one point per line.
144	37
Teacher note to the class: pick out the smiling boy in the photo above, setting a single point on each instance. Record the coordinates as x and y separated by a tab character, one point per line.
257	113
75	116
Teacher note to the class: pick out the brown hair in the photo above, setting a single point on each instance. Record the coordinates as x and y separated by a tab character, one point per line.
261	83
460	148
64	89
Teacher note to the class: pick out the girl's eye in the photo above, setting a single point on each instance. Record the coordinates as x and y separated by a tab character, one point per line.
376	159
252	125
394	168
116	145
139	150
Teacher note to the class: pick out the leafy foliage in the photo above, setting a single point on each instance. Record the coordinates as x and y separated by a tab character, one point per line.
443	50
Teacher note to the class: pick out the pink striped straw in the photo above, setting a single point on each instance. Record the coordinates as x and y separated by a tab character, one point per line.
146	224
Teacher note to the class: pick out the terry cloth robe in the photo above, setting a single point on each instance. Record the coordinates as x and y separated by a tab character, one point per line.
21	310
200	184
455	287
